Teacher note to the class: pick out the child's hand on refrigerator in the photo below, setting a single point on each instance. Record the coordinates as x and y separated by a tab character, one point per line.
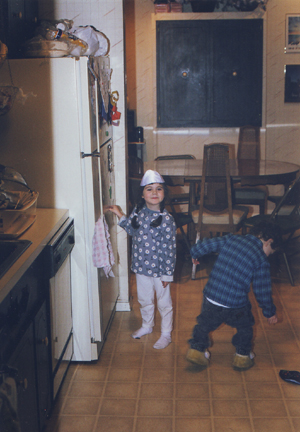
114	209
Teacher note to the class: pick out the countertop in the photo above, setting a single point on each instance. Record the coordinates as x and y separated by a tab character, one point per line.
47	222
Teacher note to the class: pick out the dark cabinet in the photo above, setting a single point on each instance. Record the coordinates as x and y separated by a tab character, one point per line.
209	73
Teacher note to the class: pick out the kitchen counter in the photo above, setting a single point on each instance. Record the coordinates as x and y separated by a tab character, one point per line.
47	222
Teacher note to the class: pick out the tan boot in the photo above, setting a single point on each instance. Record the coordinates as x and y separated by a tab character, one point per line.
200	358
242	362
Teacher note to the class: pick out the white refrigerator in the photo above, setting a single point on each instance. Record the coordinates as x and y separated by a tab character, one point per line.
56	136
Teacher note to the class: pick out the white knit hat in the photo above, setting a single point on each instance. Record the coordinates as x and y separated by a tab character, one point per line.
151	177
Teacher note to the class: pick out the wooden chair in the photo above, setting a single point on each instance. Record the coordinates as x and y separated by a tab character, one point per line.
286	216
249	153
216	213
177	198
249	143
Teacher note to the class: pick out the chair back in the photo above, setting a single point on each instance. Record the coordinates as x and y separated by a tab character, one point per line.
249	143
215	195
216	178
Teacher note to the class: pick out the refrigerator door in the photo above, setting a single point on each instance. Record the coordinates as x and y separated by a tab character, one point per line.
103	291
109	287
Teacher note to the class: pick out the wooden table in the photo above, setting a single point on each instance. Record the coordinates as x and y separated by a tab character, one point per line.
264	172
247	172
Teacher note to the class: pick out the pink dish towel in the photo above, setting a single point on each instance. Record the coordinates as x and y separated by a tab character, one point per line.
103	256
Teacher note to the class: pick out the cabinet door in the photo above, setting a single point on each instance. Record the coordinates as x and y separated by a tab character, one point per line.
183	58
236	72
209	73
43	363
23	360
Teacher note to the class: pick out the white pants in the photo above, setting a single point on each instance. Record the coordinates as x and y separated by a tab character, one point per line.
146	289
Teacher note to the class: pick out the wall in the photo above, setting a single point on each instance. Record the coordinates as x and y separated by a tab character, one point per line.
106	16
280	132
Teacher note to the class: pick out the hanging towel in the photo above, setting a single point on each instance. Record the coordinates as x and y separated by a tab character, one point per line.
103	256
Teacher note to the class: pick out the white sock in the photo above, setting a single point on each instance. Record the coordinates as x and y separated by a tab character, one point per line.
163	341
141	332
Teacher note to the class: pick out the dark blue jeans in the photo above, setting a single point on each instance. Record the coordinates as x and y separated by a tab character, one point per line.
213	316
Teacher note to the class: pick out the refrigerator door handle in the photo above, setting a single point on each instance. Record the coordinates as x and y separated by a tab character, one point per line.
94	154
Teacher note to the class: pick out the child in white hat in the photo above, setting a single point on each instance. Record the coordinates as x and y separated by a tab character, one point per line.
153	232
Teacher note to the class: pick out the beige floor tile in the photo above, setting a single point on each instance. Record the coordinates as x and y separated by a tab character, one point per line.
131	348
268	408
260	375
86	388
232	424
90	373
286	361
228	391
114	424
291	391
154	390
192	408
191	391
296	423
230	408
192	425
127	360
286	347
293	407
81	406
155	407
154	424
263	361
124	374
121	390
160	360
118	407
272	424
155	375
259	390
231	376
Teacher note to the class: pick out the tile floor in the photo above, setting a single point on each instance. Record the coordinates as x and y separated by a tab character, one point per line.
135	388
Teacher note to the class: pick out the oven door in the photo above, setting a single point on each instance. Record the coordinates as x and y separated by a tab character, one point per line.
61	323
59	250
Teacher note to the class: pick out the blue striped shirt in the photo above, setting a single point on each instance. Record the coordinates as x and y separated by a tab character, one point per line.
241	260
